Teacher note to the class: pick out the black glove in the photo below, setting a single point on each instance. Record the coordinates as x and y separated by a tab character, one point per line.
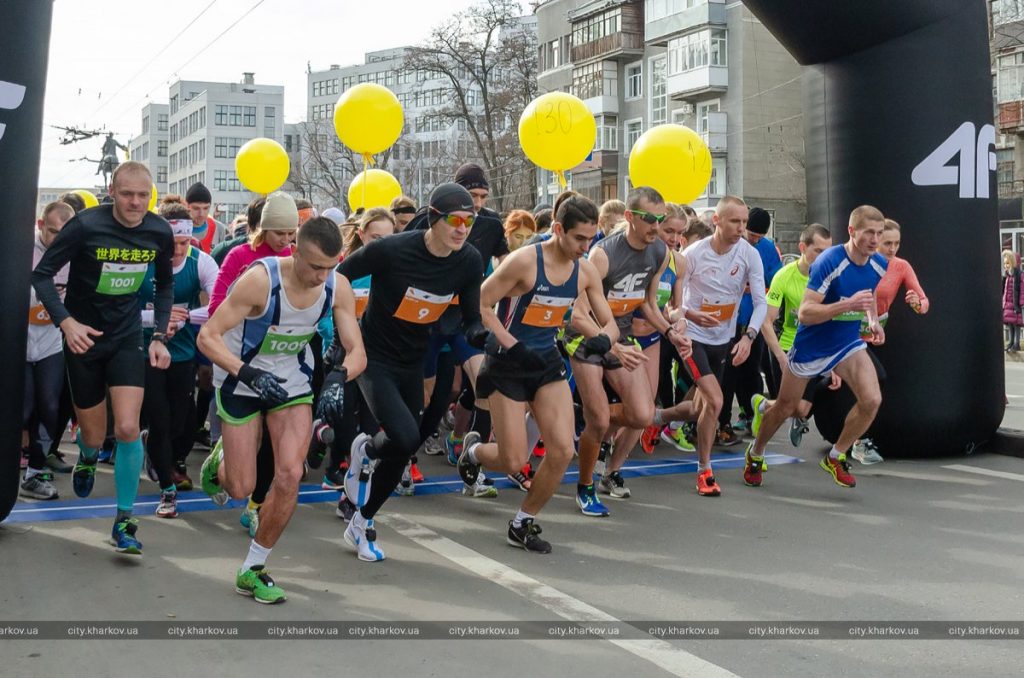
265	385
527	358
598	344
476	336
330	406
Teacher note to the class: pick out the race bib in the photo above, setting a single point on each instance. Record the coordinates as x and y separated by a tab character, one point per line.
362	296
422	307
623	303
284	341
721	312
546	311
117	279
664	293
37	315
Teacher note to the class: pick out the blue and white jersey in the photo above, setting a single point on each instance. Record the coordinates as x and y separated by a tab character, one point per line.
835	276
277	340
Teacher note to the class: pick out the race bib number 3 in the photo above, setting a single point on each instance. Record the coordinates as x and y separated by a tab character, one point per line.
624	303
422	307
284	342
116	279
546	311
721	312
37	315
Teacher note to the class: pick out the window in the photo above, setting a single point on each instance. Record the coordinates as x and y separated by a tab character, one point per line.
596	27
145	151
145	125
659	9
659	99
235	116
269	121
322	112
607	133
703	109
161	122
174	104
555	54
1007	11
174	164
202	118
1011	77
161	148
634	80
697	50
174	133
594	80
225	180
632	131
1004	166
288	143
226	147
717	185
161	174
202	150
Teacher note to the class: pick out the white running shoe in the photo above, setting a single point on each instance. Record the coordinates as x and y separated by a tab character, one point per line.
405	487
865	452
361	535
360	468
613	484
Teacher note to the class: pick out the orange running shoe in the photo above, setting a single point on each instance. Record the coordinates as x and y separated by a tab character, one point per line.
707	486
839	469
417	476
649	438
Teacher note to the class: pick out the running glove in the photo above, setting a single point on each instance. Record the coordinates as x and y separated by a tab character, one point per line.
476	336
330	407
527	358
599	344
265	385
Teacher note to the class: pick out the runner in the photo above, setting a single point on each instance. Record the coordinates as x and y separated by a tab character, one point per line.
718	270
416	274
840	291
206	230
44	366
109	248
630	263
534	289
258	339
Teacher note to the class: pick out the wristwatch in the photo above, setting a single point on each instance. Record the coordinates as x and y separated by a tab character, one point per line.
159	336
751	333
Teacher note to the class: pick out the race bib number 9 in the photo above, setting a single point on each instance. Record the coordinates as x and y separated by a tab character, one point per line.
37	315
422	307
117	279
284	341
362	299
624	303
721	312
546	311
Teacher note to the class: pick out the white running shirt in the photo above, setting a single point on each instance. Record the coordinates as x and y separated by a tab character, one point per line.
715	283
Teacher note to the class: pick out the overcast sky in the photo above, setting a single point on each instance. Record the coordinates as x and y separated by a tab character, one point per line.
100	52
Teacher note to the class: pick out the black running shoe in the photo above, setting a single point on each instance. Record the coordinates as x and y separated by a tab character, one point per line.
526	537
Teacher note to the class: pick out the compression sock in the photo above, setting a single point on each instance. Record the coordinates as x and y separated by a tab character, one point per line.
127	467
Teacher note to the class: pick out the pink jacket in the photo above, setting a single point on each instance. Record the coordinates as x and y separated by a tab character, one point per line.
1012	288
235	264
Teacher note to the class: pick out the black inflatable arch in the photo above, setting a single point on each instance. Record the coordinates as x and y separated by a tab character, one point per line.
898	113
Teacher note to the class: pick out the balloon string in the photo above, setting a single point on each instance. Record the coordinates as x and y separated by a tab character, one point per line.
368	160
561	179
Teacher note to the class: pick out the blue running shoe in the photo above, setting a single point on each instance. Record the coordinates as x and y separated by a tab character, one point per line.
590	505
107	452
83	476
123	537
453	446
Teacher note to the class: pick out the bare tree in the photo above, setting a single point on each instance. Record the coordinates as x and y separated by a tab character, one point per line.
489	61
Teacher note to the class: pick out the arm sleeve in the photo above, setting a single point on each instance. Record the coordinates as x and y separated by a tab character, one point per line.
163	285
469	298
756	280
60	252
207	272
364	261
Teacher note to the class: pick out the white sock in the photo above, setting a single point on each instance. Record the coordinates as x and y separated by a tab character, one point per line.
32	472
703	467
257	555
471	453
521	515
658	421
532	432
675	425
834	453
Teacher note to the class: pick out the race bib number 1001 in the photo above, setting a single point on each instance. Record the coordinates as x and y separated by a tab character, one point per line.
422	307
116	279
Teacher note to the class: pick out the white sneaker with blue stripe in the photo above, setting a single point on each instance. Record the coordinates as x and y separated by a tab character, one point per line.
360	467
362	536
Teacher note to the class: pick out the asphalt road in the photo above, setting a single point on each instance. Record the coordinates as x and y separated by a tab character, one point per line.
916	541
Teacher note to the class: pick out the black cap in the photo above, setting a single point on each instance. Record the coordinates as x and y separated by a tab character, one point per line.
759	221
198	193
471	176
448	198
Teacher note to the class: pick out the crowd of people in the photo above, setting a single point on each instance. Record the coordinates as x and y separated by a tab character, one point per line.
294	341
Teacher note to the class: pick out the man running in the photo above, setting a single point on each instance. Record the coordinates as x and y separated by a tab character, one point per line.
416	274
718	270
109	248
534	289
630	263
840	291
258	339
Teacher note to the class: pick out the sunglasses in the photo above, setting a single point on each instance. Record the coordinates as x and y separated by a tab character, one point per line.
650	218
455	220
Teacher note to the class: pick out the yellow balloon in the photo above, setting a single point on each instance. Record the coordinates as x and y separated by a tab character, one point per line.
152	199
88	197
557	131
373	188
368	118
262	165
673	160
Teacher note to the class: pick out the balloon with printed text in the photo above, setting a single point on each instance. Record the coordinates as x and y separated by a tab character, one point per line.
368	119
373	188
557	132
262	165
673	160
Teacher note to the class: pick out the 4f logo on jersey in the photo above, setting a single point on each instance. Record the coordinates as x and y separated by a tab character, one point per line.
11	97
976	162
630	282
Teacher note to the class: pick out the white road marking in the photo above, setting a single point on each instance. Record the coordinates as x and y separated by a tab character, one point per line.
986	472
665	656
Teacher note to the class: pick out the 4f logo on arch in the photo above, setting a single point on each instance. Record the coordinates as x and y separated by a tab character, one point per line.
11	97
422	307
975	162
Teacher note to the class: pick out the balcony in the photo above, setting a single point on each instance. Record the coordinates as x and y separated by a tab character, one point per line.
696	83
716	136
602	105
1011	117
621	45
668	23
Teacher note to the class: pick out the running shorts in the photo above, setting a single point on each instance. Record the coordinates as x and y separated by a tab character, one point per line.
238	410
507	377
117	362
707	359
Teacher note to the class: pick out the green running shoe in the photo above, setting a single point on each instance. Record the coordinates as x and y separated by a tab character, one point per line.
208	476
255	582
757	401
